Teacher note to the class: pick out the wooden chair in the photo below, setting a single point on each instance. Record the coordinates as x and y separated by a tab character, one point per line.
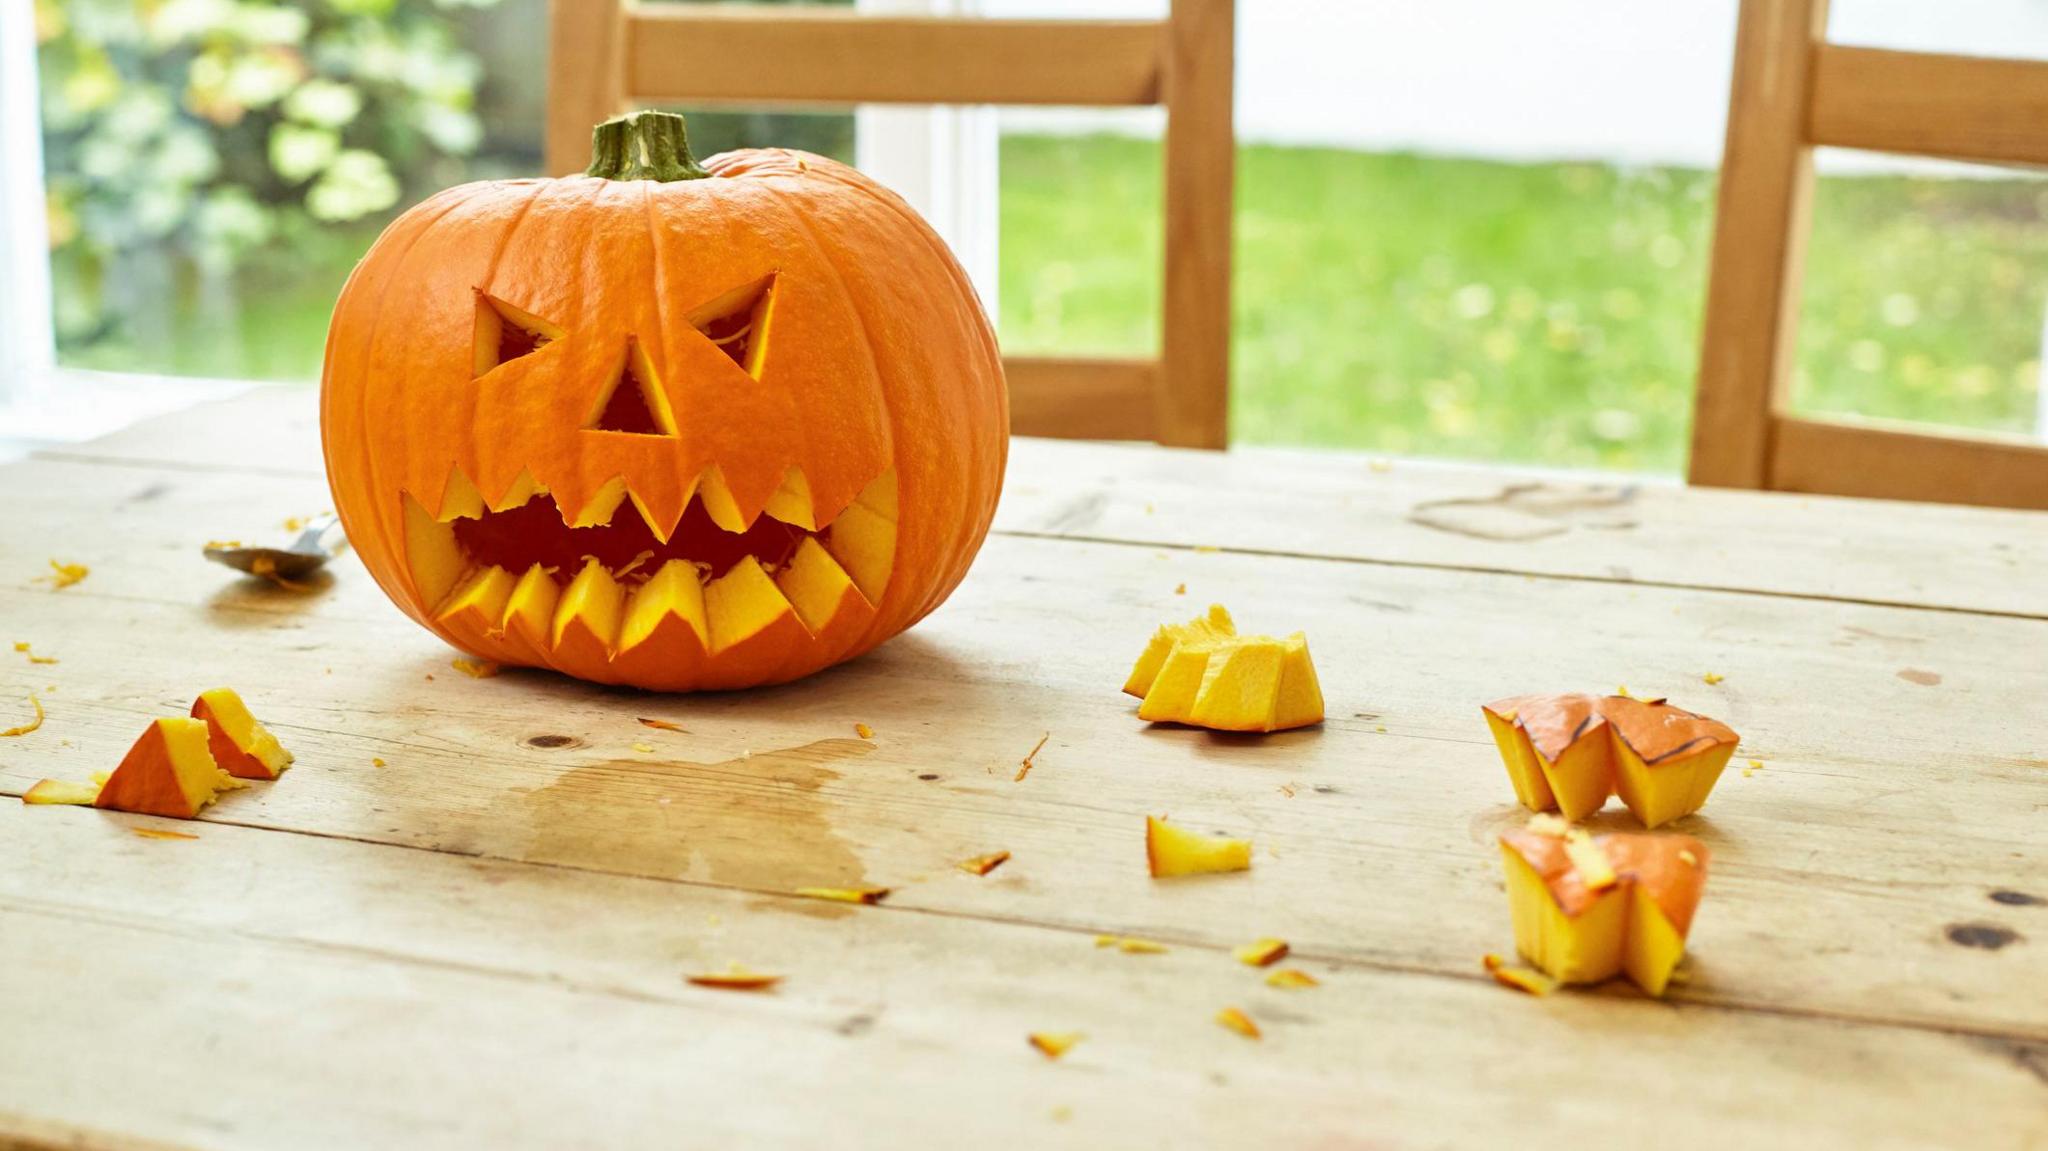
610	54
1793	91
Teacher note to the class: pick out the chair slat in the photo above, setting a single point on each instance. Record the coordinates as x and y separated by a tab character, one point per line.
1883	460
1924	104
758	55
1082	399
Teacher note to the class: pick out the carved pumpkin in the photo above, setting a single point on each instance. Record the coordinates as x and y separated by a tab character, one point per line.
664	424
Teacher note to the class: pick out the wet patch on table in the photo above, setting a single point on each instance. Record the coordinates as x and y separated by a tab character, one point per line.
1915	675
1531	511
756	822
2017	898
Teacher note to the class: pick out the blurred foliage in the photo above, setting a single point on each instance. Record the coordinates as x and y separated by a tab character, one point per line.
202	130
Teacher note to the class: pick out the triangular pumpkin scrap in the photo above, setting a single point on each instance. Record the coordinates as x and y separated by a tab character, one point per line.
170	771
242	747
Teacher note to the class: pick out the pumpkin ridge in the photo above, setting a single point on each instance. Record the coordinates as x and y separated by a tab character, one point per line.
383	519
889	453
966	542
837	173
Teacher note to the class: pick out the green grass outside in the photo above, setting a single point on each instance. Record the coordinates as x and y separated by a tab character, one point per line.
1544	313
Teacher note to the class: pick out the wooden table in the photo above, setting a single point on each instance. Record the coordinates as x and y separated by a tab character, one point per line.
482	943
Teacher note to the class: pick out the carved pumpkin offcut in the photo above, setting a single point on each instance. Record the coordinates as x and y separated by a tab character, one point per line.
672	425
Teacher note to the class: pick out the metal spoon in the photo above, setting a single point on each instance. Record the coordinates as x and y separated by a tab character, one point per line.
306	555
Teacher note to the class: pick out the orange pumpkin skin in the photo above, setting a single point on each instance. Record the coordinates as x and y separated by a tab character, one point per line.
870	387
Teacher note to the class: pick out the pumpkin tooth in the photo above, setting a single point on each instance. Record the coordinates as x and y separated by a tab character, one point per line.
879	496
864	543
832	609
600	508
587	616
479	603
530	611
661	527
675	590
742	603
716	496
523	489
815	585
459	499
792	503
431	554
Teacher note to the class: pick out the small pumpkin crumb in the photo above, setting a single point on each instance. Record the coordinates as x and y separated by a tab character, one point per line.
63	575
1292	979
1132	945
735	978
983	864
1238	1021
1180	589
476	668
1029	760
1711	678
1053	1044
845	894
662	725
1522	979
864	731
155	833
376	761
1261	952
32	724
644	748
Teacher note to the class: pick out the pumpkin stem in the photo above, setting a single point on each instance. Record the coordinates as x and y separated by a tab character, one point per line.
643	146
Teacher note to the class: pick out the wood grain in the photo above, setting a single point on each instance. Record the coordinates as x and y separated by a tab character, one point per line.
1582	526
1886	799
481	942
411	998
1927	104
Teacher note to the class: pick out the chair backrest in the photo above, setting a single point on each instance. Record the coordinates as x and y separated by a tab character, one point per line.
1793	91
609	54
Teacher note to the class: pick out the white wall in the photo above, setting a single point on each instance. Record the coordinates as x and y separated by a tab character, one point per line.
1624	80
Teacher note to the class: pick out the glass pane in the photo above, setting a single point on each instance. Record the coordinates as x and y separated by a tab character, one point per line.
1926	293
215	170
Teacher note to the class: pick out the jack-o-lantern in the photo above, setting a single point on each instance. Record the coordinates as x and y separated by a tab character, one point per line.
665	424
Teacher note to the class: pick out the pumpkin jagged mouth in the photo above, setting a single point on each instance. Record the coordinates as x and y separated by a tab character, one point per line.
520	577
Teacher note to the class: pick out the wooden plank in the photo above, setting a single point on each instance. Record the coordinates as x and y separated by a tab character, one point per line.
1581	526
586	74
1895	462
1200	191
1926	104
1082	399
404	998
1413	513
760	55
1760	232
1900	792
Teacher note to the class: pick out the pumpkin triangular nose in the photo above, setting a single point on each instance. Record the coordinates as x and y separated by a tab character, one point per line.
632	402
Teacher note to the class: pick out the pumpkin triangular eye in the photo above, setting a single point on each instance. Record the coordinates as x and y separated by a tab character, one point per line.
505	332
738	322
633	402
